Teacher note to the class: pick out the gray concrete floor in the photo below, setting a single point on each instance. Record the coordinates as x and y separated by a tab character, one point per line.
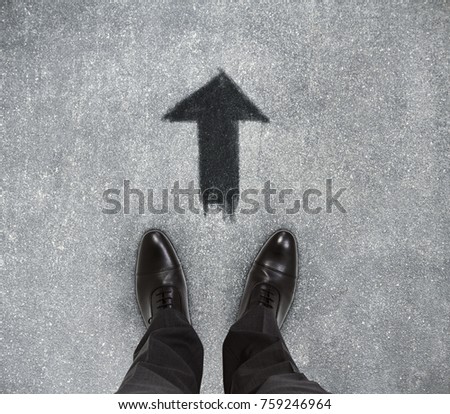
356	91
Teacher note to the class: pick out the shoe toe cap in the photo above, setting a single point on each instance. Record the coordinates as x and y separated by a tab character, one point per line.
156	253
280	253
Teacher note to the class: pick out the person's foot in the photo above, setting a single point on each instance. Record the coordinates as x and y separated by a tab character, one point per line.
160	281
272	277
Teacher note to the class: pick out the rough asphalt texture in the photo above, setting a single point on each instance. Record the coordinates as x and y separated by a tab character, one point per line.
356	91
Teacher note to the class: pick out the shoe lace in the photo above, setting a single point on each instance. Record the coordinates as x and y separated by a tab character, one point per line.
266	297
166	299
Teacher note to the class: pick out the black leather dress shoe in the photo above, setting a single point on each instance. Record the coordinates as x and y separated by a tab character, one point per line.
272	278
160	281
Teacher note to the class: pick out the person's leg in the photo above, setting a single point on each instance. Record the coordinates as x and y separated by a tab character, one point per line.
256	359
255	356
169	358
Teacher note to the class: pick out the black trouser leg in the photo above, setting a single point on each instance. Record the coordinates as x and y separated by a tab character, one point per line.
168	359
256	359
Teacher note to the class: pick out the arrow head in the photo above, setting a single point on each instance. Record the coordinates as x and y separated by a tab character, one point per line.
221	96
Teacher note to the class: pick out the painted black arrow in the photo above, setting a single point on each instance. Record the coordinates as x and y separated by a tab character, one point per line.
217	107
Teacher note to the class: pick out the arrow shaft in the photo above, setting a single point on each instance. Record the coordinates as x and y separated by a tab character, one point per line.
218	140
